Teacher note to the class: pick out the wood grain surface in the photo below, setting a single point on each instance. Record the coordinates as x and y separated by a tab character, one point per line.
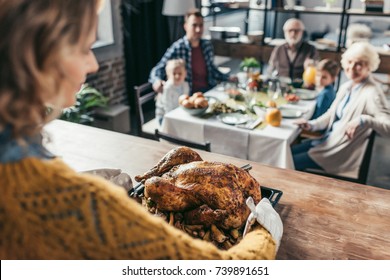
323	218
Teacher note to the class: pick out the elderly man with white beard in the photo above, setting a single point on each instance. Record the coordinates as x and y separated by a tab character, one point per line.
289	59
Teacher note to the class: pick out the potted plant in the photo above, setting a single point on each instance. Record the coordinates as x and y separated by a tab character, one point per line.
87	100
250	64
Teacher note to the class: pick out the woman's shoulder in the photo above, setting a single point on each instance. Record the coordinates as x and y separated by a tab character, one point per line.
371	82
56	172
371	87
53	178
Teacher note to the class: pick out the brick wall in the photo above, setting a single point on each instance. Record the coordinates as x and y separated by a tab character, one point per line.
110	79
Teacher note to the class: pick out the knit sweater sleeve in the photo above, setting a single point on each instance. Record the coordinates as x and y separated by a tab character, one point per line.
49	211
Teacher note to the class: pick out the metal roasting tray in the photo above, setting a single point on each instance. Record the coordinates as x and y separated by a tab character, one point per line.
273	195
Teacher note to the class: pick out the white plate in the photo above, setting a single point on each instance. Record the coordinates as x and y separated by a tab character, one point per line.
233	118
291	113
306	94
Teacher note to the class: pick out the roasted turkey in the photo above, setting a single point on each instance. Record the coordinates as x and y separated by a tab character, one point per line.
172	158
207	193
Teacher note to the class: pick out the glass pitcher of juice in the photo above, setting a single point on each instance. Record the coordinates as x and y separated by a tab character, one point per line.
309	75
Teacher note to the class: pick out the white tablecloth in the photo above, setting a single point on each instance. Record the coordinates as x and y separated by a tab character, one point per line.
269	145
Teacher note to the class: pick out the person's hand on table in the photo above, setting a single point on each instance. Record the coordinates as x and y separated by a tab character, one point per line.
158	86
351	127
304	124
266	216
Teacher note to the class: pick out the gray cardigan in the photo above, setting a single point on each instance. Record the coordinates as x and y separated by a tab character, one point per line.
338	153
280	61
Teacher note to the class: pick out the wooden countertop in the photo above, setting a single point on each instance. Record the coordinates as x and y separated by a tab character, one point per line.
323	218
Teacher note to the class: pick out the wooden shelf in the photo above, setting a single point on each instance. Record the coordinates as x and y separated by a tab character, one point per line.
361	12
318	10
263	53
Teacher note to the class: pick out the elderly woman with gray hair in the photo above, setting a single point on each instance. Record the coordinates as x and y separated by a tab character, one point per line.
360	107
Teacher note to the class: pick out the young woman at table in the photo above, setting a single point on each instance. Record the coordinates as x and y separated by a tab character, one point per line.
47	210
360	107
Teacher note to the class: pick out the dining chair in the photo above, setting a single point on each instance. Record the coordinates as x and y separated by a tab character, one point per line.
144	98
179	141
363	169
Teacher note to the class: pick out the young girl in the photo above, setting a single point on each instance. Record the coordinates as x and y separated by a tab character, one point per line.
173	88
327	71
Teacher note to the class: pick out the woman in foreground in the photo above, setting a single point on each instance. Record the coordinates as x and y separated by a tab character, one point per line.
47	210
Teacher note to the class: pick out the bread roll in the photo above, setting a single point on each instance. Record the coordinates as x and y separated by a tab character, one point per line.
200	102
183	97
198	94
192	98
187	104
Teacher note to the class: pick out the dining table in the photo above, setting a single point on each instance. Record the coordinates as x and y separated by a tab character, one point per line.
266	144
323	218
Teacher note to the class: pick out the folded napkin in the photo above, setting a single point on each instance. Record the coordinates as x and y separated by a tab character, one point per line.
116	176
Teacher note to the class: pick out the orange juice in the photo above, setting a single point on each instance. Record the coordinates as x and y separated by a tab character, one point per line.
309	76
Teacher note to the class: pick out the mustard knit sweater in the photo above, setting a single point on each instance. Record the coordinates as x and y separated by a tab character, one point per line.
49	211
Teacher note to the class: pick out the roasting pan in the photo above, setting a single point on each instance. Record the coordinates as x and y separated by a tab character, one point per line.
273	195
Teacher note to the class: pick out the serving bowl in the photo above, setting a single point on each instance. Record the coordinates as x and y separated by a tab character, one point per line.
195	111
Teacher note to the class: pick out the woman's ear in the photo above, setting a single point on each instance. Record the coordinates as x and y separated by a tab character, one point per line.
100	6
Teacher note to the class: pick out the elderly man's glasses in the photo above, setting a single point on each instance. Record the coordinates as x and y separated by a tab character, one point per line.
293	30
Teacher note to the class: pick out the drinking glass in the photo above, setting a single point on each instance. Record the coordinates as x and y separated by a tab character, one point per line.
274	89
248	96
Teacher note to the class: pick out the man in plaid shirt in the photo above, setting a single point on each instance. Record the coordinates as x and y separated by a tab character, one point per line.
202	74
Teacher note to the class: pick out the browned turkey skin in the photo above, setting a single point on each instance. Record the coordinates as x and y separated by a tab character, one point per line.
174	157
208	193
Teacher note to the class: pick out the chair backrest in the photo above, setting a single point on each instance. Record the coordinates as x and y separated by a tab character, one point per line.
363	169
179	141
144	94
365	166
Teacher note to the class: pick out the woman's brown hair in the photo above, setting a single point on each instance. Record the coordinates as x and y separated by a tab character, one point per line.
33	33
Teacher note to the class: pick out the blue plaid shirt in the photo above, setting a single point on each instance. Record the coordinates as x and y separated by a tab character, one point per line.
182	49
